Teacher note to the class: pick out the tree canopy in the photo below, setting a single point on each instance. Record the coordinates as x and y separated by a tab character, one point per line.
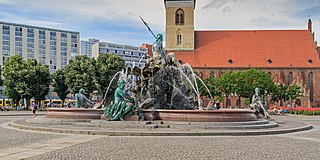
25	79
80	73
107	65
59	84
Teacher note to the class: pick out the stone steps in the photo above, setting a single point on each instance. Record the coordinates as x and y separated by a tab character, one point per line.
160	129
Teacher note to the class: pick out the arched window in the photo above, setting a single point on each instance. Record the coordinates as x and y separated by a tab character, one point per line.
290	78
179	38
211	74
239	103
228	103
179	17
283	77
310	86
298	102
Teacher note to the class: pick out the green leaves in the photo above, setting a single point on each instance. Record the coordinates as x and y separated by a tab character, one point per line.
25	79
286	92
59	84
107	65
242	83
91	74
80	73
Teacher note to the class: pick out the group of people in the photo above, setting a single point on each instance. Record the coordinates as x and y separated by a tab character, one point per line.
16	107
5	108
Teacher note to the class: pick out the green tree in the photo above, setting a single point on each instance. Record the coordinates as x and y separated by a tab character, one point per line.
213	87
293	92
227	83
250	79
12	81
80	73
59	84
25	79
40	79
107	65
280	93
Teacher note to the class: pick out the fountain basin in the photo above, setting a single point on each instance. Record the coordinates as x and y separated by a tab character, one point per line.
223	115
74	113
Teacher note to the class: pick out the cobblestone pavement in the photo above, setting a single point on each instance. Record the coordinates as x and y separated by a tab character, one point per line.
300	145
12	138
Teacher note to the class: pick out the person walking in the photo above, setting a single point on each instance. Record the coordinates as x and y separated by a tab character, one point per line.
34	108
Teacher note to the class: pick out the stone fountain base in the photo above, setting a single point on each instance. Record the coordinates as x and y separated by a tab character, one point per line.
223	115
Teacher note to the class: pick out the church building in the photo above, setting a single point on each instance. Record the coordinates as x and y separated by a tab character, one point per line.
289	56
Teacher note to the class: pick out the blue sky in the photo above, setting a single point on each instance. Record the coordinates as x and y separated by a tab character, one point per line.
118	21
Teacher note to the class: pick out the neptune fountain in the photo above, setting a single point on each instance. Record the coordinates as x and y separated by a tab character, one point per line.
163	89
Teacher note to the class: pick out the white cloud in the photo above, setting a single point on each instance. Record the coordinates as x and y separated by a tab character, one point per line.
253	14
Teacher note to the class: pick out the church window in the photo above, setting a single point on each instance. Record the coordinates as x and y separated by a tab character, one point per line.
269	61
211	74
310	61
290	78
228	103
179	39
298	102
310	86
230	61
238	104
179	17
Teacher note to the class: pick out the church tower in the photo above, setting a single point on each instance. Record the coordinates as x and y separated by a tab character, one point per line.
180	25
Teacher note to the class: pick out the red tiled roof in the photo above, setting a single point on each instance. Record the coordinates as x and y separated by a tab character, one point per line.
252	48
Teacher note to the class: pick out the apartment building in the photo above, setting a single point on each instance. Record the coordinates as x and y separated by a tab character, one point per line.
86	47
53	47
133	56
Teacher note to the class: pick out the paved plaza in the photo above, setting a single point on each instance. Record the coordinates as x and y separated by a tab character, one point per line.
32	145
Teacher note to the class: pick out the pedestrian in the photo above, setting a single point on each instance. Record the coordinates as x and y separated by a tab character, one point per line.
34	108
18	107
24	107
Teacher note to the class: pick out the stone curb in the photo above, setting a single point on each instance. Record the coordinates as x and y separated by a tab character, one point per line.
23	113
161	133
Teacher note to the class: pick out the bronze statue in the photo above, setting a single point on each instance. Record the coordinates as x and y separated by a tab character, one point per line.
123	104
82	100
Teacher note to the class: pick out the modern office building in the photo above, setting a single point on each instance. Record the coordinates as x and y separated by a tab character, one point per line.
86	47
134	56
53	47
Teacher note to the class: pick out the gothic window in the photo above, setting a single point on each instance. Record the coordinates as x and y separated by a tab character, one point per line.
179	17
298	102
179	38
228	103
211	74
283	77
238	103
290	78
310	86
